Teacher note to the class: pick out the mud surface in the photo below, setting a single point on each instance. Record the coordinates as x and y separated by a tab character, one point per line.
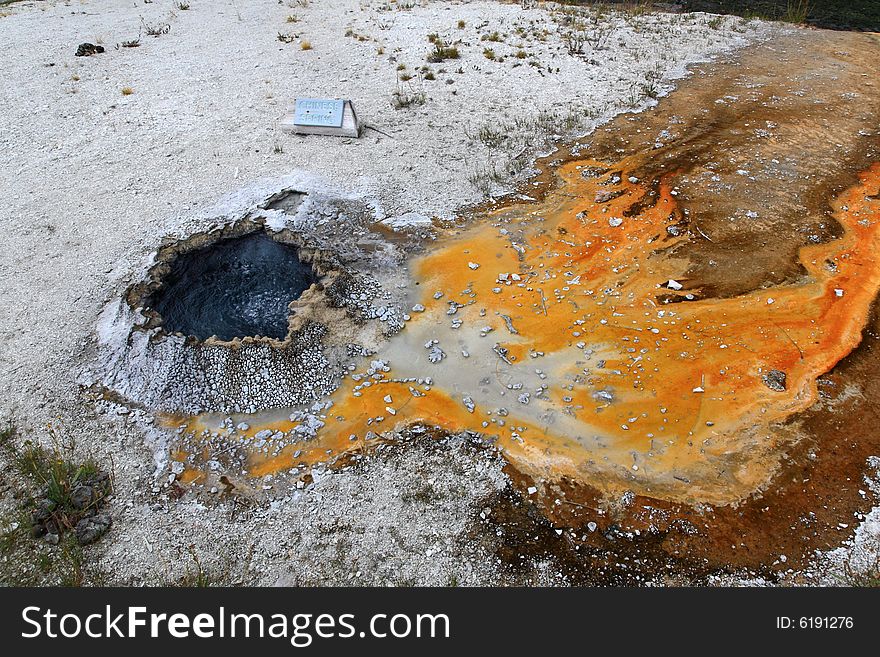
233	289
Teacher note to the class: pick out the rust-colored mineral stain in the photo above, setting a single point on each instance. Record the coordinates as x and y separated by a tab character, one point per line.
569	332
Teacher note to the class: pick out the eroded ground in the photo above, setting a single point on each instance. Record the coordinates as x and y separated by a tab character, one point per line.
671	340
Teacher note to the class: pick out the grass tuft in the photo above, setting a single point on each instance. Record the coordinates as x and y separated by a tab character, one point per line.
442	51
796	11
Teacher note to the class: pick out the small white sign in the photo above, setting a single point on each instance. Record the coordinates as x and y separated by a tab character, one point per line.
321	116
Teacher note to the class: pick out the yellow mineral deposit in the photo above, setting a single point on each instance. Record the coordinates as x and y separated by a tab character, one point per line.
565	329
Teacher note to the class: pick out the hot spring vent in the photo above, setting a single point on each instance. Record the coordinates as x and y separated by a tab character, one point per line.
235	288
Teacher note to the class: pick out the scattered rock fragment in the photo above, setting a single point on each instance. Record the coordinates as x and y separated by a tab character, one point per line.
604	396
436	354
82	497
604	195
88	49
509	323
775	380
89	530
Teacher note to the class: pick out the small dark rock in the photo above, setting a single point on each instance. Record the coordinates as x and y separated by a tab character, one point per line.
43	509
37	530
89	530
88	49
775	380
82	497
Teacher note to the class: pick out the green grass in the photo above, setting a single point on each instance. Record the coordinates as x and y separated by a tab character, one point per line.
54	473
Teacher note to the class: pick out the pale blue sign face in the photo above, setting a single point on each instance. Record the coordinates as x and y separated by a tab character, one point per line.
320	112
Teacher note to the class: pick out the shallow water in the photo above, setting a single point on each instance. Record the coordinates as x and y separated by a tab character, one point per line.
550	327
238	287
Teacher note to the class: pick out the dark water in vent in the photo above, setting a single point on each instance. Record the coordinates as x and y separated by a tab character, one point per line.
235	288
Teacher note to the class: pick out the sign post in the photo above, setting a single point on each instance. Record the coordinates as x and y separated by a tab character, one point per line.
322	116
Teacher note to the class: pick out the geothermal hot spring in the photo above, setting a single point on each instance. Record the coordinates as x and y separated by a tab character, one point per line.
235	288
563	331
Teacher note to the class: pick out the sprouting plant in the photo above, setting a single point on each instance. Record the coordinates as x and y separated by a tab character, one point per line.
403	98
442	52
574	41
155	30
649	89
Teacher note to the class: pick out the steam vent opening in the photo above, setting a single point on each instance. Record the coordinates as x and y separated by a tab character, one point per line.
235	288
